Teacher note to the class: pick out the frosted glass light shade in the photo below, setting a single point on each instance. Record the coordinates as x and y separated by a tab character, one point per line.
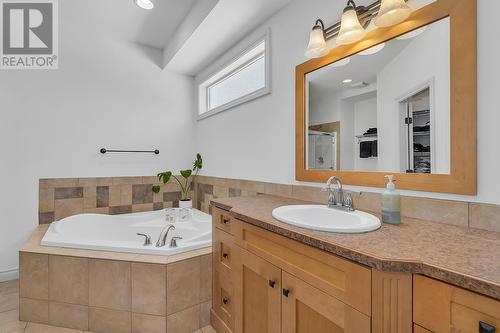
392	12
317	44
144	4
350	29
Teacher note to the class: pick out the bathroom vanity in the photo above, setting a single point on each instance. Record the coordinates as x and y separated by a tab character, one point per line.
420	276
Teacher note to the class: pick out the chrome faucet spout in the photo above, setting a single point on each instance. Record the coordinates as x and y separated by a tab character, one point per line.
162	240
336	195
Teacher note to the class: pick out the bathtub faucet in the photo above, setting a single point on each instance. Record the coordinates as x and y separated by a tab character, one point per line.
162	240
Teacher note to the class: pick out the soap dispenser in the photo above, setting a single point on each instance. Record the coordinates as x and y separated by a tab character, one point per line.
391	203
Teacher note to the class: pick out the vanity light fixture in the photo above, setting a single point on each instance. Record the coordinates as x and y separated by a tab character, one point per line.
412	34
355	22
351	29
392	12
317	43
373	49
144	4
347	81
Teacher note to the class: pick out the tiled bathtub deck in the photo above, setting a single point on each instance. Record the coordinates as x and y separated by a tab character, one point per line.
9	315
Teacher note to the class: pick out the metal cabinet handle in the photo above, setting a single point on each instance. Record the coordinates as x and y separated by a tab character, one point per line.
272	283
225	220
225	255
486	328
225	300
286	292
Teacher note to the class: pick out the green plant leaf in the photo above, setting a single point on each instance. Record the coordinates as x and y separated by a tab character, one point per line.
198	163
165	176
186	173
156	189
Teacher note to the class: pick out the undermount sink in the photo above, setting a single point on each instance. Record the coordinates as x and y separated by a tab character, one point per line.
322	218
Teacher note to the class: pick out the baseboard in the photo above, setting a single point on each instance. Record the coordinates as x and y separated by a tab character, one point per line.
10	274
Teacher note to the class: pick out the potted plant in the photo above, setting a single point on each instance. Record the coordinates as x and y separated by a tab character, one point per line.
184	182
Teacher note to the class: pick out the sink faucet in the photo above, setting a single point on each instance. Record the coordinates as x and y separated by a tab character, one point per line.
163	235
336	196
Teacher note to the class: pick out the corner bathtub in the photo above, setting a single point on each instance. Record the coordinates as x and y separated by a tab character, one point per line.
119	232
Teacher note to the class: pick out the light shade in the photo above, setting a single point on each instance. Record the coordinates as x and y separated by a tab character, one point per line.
392	12
373	49
144	4
317	44
350	29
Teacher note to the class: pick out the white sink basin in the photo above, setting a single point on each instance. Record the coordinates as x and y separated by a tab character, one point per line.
322	218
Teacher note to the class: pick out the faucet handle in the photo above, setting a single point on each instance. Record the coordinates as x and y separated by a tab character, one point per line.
173	241
349	202
326	188
147	238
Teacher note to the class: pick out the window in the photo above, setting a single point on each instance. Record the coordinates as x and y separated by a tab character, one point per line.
243	79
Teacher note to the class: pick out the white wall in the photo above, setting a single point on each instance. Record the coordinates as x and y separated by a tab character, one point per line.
365	117
256	140
424	61
52	123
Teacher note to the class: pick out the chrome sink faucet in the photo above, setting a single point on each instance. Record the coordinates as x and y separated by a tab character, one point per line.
162	240
336	196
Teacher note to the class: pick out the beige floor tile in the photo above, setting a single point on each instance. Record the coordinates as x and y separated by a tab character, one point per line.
41	328
9	302
9	322
9	287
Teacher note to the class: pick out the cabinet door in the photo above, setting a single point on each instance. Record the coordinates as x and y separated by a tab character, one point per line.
306	309
257	294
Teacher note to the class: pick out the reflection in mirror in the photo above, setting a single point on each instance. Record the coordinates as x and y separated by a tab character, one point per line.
387	109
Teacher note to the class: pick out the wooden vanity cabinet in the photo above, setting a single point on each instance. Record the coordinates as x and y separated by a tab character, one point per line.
273	284
442	308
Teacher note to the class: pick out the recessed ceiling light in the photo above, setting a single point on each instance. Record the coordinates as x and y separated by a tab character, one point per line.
144	4
347	81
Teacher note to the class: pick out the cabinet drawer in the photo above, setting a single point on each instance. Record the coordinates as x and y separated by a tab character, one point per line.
222	299
222	220
443	308
342	279
223	244
420	329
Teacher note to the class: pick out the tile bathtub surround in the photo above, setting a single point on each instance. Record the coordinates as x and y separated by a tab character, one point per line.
63	197
63	313
465	214
103	295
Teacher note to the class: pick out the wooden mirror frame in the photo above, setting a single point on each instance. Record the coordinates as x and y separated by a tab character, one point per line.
463	104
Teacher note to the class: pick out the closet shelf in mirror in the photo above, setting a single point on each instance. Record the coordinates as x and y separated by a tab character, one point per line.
421	133
365	136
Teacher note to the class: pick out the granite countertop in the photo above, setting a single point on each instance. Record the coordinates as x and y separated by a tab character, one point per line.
465	257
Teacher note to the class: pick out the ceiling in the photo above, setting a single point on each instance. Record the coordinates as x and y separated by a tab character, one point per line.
123	20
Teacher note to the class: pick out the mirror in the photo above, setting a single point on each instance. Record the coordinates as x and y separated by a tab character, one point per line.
384	109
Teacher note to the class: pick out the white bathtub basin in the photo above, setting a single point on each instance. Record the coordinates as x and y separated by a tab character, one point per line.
119	232
322	218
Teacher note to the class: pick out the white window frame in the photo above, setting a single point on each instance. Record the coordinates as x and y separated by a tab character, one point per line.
231	67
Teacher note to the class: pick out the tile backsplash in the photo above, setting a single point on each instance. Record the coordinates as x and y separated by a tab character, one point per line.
62	197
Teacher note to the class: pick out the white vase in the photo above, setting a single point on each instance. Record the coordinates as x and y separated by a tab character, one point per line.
185	203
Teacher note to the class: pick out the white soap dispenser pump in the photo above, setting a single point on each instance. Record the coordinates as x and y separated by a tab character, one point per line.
391	203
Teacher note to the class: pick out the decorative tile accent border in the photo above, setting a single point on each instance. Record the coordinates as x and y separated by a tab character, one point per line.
62	197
